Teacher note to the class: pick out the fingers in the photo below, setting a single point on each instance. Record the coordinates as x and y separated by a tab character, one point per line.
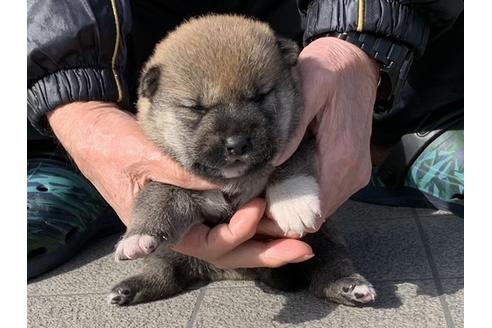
269	227
209	244
230	245
241	227
272	254
249	254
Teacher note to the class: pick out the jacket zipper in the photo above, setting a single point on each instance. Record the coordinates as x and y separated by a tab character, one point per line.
115	51
360	15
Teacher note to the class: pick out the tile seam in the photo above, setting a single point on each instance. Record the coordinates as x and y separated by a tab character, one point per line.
434	271
196	308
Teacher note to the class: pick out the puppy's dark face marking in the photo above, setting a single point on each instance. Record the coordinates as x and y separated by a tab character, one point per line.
234	137
289	50
222	99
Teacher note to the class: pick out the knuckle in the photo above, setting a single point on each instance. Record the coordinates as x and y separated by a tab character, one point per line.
249	233
242	233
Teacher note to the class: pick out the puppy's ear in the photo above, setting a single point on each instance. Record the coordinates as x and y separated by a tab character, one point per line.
149	82
288	49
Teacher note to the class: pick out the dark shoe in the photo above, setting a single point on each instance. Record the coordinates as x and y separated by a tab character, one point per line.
64	212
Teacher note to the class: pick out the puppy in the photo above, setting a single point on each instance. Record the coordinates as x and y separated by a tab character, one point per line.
221	95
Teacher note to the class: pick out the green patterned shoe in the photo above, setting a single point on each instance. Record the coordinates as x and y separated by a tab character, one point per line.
64	211
439	170
425	169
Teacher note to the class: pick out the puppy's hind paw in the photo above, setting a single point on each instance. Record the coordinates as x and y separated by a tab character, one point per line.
134	247
354	290
362	294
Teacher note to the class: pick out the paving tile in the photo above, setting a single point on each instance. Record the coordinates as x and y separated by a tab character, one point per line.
445	236
363	211
386	249
92	271
91	310
454	296
398	306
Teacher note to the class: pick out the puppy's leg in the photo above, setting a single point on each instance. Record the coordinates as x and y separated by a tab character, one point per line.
293	193
162	214
334	276
159	279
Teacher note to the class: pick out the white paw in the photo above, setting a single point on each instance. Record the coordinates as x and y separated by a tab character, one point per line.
135	247
294	204
363	294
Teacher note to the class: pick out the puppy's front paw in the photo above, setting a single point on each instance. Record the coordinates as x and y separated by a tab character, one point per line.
135	246
294	204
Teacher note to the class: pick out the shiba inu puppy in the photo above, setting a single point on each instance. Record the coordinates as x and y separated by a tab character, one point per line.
221	95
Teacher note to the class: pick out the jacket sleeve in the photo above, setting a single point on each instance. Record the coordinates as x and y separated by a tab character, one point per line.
75	52
410	22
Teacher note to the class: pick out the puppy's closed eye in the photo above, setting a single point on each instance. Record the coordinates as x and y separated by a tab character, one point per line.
195	107
260	97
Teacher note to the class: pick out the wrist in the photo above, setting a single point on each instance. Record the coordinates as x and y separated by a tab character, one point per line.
395	60
99	129
341	57
76	122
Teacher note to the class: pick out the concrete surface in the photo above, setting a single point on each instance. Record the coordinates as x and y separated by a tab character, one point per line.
414	258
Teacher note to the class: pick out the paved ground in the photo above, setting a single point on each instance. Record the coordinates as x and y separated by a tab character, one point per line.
413	257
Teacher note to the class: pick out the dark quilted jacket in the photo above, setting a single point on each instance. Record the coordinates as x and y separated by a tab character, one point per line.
93	49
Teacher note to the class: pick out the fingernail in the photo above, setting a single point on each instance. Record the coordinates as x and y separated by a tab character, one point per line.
303	258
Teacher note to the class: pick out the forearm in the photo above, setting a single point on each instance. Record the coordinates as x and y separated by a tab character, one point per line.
94	123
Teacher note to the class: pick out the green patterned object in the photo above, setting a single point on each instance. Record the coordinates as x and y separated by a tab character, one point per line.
439	170
59	202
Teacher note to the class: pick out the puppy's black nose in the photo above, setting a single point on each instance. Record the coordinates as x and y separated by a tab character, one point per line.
237	145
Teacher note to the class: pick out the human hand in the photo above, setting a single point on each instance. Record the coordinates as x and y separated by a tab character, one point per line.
111	151
232	245
339	89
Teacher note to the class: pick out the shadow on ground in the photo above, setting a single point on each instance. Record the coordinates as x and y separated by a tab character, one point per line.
100	247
